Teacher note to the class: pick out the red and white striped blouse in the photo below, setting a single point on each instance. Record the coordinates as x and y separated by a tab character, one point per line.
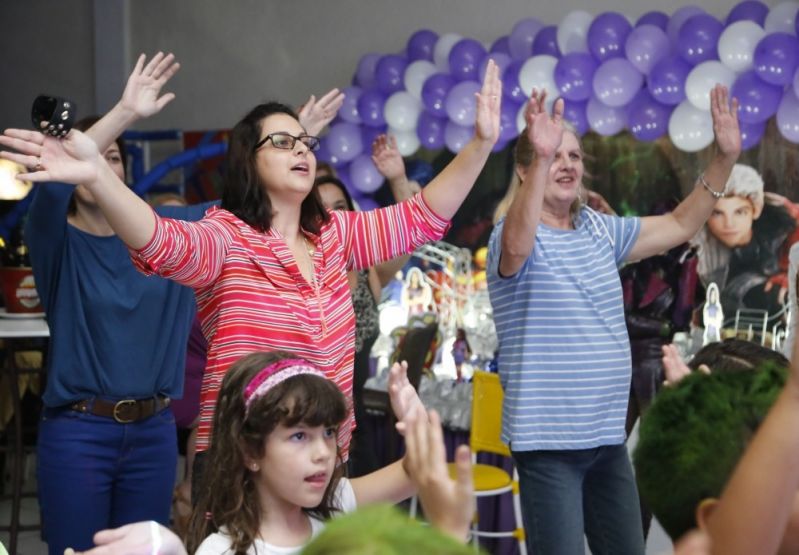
251	295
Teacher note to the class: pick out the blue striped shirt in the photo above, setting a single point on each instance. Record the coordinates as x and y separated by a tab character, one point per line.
564	352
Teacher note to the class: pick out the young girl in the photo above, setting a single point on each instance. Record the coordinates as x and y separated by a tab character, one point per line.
274	470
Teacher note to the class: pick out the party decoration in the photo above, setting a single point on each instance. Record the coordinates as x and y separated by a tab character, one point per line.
573	32
430	130
461	104
456	136
616	82
749	10
370	108
364	175
607	34
788	117
365	74
782	18
690	129
605	120
678	18
402	111
703	78
574	113
666	81
751	133
574	75
501	60
465	58
435	91
539	72
343	142
416	74
698	38
647	118
442	49
407	141
758	100
389	73
520	40
737	44
500	46
546	42
658	19
776	58
511	88
421	44
645	46
349	109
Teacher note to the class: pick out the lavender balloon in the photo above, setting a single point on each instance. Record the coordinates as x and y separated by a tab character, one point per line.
605	120
646	45
788	117
520	40
607	35
421	44
546	42
343	142
465	58
574	113
507	121
390	72
748	10
365	72
678	18
364	175
658	19
457	136
666	81
370	108
616	82
647	118
435	91
699	38
501	46
574	74
349	109
776	58
461	104
430	130
511	88
751	133
757	99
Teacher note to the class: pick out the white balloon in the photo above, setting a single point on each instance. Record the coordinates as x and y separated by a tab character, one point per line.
416	74
402	111
703	78
737	44
441	50
782	18
690	128
407	141
521	122
539	72
573	32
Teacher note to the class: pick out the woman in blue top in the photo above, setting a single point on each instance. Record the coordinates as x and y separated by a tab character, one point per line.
107	451
564	351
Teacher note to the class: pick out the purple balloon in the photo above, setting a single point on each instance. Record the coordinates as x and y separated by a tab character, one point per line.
369	134
501	45
365	73
520	40
698	38
646	45
616	82
421	45
365	202
796	24
465	58
666	81
461	104
343	173
501	60
507	122
751	133
323	154
607	35
364	175
456	136
574	113
430	130
349	109
776	58
678	18
574	74
546	42
435	91
511	89
749	9
658	19
604	119
344	142
370	108
390	72
757	99
647	118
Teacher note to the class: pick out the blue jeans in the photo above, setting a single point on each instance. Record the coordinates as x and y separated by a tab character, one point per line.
95	473
565	494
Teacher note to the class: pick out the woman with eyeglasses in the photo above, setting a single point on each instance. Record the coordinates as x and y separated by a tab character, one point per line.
269	267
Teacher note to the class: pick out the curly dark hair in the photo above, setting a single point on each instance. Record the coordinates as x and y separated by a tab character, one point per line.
244	194
228	495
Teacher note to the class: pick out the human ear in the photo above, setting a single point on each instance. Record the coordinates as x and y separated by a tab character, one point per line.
703	512
521	172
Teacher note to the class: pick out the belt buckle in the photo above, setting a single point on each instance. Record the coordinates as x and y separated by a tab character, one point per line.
120	406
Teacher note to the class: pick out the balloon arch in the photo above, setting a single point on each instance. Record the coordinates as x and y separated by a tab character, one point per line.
651	78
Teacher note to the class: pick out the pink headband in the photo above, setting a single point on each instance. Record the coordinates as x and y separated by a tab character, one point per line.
276	373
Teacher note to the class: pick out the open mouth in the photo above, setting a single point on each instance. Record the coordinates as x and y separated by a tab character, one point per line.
318	479
302	167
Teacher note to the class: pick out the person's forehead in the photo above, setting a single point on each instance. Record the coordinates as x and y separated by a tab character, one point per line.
281	122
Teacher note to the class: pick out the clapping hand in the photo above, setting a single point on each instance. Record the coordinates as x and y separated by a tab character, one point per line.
405	401
145	84
314	115
544	131
486	125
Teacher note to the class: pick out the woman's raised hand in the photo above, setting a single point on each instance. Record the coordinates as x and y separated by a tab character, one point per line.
405	400
74	159
145	84
725	122
314	115
544	131
387	158
489	99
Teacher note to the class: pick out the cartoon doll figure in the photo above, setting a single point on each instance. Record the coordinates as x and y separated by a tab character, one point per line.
417	295
713	316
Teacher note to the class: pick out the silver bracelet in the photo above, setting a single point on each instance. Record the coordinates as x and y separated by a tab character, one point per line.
716	194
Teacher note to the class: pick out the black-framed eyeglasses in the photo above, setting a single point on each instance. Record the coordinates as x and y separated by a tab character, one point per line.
286	141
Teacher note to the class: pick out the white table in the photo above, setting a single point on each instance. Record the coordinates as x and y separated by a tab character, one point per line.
23	328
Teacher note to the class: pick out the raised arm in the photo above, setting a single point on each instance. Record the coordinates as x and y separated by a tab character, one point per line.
314	115
446	192
760	497
518	232
661	233
140	98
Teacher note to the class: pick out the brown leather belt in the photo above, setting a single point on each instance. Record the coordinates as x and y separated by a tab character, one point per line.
124	411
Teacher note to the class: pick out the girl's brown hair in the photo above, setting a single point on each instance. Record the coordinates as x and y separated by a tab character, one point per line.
228	495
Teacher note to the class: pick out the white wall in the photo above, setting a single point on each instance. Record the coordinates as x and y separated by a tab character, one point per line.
236	53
